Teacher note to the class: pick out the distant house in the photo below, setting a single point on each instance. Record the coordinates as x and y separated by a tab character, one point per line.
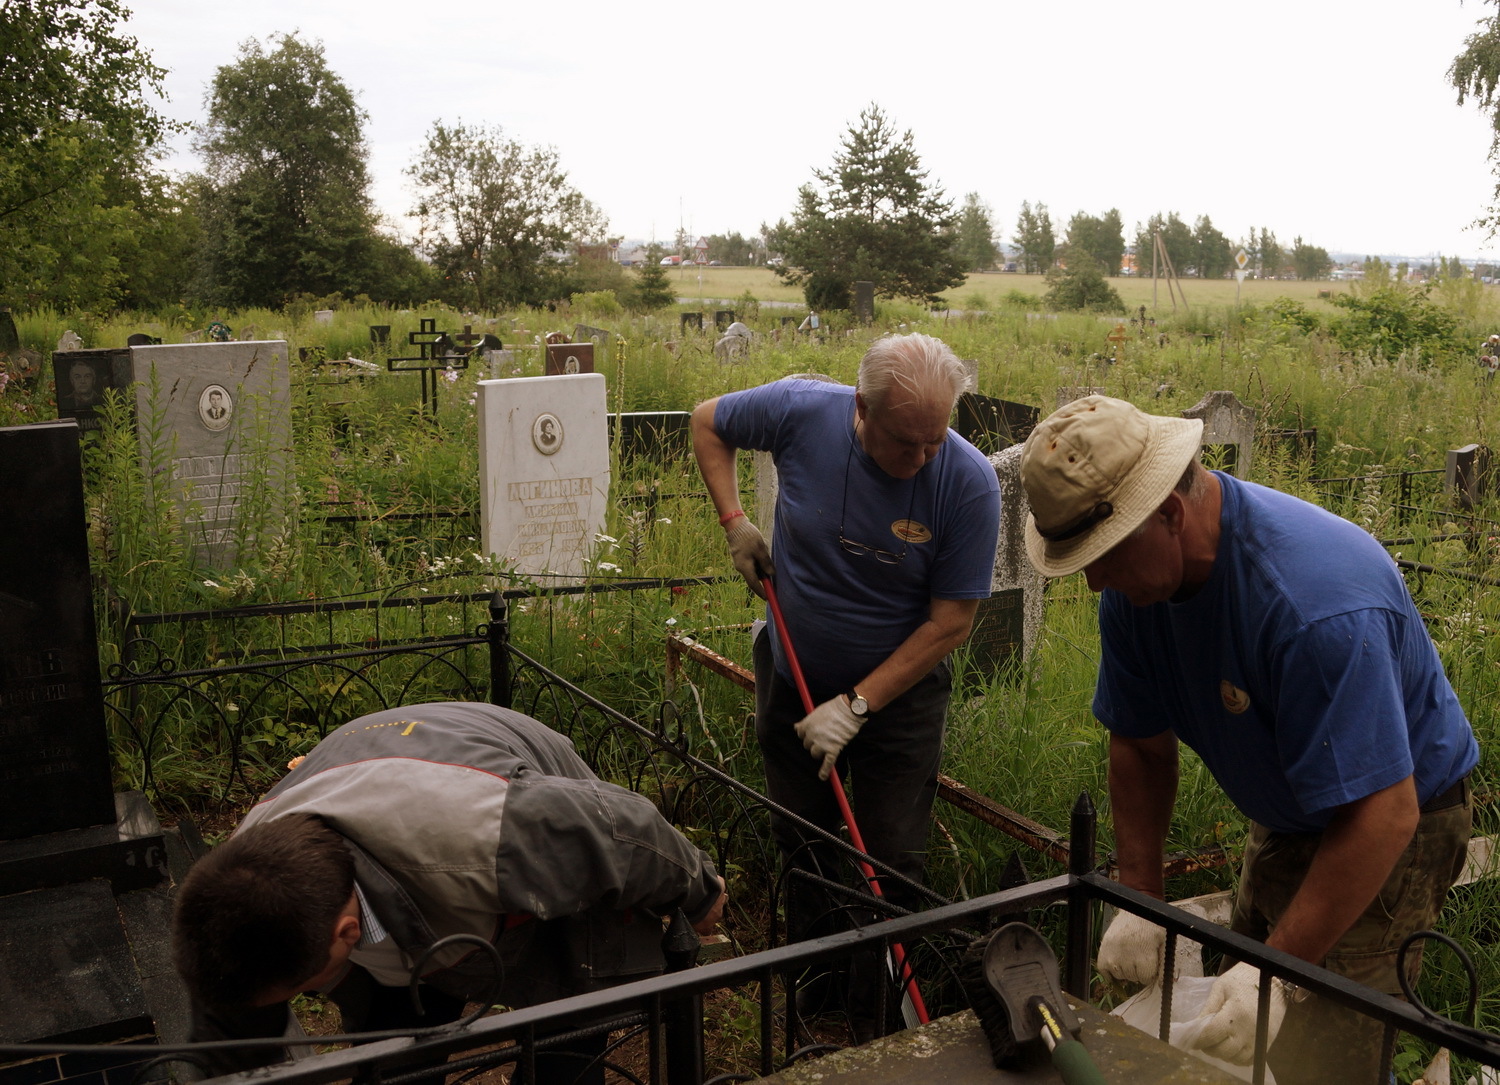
634	256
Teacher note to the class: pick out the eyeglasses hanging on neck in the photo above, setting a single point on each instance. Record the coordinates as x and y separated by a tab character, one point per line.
860	549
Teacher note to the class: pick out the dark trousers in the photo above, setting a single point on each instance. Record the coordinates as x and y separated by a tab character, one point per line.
891	767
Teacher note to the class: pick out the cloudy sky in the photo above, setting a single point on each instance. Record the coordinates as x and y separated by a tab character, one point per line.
1329	119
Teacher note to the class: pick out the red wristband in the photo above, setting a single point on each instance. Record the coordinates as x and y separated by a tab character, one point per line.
724	520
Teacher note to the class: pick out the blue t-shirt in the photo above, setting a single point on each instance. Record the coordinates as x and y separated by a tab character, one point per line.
1301	672
848	612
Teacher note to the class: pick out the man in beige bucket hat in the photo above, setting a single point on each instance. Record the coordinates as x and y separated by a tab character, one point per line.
1280	643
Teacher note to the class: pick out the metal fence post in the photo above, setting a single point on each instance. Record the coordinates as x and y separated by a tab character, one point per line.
497	633
1081	860
683	1017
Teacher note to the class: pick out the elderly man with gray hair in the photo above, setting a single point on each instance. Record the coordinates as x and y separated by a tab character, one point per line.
884	543
1279	643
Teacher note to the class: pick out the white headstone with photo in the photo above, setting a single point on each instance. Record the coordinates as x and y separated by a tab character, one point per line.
214	421
543	472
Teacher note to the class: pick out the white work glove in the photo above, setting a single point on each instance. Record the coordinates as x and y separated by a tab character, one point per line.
1228	1029
748	549
827	729
1132	949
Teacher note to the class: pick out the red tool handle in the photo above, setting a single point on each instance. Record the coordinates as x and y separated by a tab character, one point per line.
897	951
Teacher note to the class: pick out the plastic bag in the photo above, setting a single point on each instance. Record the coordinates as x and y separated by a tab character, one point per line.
1142	1010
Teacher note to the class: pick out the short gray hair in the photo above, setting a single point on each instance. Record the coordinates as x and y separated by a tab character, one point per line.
924	367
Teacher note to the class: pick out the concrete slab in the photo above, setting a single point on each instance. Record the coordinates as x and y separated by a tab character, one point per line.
953	1050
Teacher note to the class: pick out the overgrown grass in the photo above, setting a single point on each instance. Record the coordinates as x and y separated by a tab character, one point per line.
363	448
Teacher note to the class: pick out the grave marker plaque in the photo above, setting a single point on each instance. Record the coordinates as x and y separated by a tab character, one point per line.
723	318
998	637
543	472
690	320
864	302
568	359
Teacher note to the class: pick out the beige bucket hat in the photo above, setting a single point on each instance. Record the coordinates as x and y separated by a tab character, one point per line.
1093	470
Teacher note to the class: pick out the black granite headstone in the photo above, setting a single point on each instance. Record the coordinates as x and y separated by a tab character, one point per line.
10	338
141	339
81	377
658	435
54	754
993	425
998	634
690	320
380	335
864	302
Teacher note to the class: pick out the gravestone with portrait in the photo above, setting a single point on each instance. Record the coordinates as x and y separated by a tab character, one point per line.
80	379
543	473
567	359
214	422
81	866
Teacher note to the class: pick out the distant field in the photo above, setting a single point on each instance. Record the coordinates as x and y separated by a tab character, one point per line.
987	290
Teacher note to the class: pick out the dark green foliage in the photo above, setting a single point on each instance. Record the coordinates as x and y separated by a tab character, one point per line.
1475	73
1392	319
1177	239
1034	239
651	289
1081	285
77	140
1292	314
974	235
1309	261
496	215
735	250
1213	258
873	216
285	208
1099	238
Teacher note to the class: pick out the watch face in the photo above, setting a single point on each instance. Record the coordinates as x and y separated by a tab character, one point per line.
858	705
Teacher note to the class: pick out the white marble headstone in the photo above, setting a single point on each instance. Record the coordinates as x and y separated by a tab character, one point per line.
218	416
543	472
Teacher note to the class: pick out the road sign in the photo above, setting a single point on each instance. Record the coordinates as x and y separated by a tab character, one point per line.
1241	258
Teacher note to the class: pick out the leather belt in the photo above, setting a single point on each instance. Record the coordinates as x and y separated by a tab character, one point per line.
1444	800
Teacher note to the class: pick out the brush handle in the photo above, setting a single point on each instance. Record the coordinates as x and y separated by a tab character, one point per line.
1075	1064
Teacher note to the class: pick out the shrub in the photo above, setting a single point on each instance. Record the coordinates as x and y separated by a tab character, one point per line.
1392	320
1081	286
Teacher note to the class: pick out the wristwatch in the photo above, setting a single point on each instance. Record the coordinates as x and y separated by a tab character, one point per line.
858	705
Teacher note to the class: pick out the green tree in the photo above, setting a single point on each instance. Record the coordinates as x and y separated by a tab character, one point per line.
1177	239
498	218
1212	255
1099	238
736	250
78	140
651	288
1267	254
286	209
974	235
1081	285
1475	73
1309	261
872	216
1034	241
